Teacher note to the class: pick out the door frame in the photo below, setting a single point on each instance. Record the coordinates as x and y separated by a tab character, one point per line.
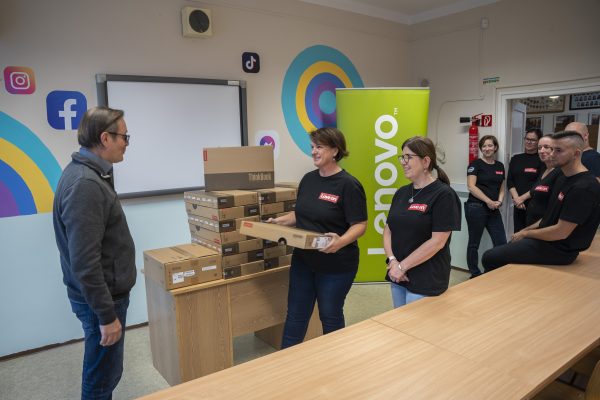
502	98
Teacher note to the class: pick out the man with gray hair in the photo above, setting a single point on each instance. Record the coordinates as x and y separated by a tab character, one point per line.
590	158
97	254
571	220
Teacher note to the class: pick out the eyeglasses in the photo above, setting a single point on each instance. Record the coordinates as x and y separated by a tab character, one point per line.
528	140
405	158
125	137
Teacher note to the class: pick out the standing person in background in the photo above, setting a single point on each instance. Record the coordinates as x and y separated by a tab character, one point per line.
329	200
544	186
485	180
523	171
590	158
97	254
422	216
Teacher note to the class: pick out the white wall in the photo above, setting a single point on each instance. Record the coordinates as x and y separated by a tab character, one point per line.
67	42
528	42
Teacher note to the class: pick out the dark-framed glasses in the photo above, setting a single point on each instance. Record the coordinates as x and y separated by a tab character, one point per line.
405	158
529	140
125	137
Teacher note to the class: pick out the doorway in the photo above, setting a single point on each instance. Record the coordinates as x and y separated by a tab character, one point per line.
507	100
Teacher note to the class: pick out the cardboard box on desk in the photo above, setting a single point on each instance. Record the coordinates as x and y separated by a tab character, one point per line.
182	265
221	199
283	234
230	248
220	214
276	208
227	225
276	194
218	238
231	168
243	269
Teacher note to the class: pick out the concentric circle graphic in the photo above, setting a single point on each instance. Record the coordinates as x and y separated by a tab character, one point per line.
308	94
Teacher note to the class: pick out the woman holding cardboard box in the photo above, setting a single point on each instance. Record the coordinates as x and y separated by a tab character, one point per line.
421	219
329	200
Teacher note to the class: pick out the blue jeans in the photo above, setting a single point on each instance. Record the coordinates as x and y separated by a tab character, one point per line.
306	286
402	296
480	217
102	366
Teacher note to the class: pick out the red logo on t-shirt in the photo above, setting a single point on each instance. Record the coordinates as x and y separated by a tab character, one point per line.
499	172
418	207
532	170
561	196
332	198
542	188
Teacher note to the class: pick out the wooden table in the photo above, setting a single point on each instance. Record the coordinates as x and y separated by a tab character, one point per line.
192	328
367	360
504	335
529	322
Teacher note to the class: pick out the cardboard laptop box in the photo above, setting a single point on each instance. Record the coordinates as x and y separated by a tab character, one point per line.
279	207
243	269
283	234
276	194
221	199
217	237
182	265
230	248
227	225
231	168
220	214
276	262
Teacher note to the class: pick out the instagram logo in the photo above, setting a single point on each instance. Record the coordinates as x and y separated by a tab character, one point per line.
19	80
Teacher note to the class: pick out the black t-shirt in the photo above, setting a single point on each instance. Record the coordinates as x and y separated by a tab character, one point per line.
436	208
575	199
330	204
523	171
489	178
591	160
540	195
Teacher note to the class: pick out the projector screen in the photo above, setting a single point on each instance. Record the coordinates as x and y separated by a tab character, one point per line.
170	121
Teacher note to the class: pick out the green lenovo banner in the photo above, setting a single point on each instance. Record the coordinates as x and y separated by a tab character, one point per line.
375	123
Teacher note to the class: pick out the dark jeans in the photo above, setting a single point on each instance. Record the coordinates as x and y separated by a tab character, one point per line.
102	366
306	286
480	217
526	251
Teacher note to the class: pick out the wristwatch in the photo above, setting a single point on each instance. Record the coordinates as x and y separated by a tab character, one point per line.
389	260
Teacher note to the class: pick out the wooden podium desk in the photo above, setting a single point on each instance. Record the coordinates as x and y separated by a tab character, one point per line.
192	328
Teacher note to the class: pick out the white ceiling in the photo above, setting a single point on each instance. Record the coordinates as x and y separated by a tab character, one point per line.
403	11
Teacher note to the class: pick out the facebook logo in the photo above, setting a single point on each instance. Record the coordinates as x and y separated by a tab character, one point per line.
65	109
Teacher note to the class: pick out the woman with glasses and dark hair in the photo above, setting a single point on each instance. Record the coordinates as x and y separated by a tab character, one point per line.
544	186
485	180
332	201
422	216
523	171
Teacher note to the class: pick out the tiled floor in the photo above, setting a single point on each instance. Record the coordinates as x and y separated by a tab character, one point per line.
55	374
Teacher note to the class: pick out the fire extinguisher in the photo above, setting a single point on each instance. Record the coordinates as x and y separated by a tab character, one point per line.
474	138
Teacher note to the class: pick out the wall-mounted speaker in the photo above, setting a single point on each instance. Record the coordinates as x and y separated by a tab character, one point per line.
196	22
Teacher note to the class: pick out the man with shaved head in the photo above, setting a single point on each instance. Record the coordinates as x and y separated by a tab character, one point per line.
571	220
590	158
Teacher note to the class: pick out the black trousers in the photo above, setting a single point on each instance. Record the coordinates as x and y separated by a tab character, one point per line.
526	251
519	219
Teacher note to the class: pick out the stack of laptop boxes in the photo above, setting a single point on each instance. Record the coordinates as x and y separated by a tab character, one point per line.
276	202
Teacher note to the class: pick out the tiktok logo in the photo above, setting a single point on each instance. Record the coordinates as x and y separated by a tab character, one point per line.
250	62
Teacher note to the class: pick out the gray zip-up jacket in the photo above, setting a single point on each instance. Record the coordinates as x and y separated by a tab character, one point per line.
97	253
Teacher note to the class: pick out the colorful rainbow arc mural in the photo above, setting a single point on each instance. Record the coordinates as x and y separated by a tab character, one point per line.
308	92
29	173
